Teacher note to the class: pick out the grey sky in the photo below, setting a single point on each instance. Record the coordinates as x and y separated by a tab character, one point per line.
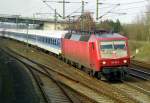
28	7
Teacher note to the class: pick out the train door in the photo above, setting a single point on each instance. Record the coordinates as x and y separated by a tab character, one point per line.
92	55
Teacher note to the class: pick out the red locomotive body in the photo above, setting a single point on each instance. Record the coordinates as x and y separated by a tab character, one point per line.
105	53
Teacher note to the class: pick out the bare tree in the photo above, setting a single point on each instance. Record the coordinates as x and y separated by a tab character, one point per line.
88	22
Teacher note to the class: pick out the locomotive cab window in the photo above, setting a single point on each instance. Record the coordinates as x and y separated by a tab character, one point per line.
119	45
112	45
110	48
106	45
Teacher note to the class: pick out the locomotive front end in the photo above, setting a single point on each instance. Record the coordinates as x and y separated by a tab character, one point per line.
114	53
115	58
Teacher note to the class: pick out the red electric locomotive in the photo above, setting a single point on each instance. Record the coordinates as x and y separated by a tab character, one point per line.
100	53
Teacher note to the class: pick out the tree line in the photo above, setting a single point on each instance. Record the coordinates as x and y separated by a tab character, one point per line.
87	23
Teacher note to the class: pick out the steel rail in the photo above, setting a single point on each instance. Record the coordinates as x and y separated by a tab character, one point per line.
139	73
64	76
44	72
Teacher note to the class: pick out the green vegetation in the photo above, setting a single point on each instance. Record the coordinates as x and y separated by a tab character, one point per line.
110	25
87	23
144	50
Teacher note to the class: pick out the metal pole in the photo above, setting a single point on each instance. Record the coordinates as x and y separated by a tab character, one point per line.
82	14
55	17
63	9
33	20
27	35
1	23
70	23
97	9
16	23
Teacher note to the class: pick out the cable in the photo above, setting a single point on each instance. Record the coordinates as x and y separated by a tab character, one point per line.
129	3
108	11
120	9
75	11
61	1
133	2
51	8
132	8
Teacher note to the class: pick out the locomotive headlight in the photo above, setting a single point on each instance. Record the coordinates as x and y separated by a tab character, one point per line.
103	62
124	61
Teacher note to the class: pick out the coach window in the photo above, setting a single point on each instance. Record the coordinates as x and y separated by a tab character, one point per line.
54	41
58	42
38	39
50	40
45	40
41	39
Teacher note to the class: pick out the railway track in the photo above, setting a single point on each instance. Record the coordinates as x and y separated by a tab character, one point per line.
39	84
93	95
138	87
139	73
42	70
140	64
54	91
51	90
140	69
134	91
94	84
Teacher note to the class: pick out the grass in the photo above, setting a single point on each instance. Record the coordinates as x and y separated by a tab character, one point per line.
144	50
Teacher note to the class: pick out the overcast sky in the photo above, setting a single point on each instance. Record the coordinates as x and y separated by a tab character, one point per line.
29	7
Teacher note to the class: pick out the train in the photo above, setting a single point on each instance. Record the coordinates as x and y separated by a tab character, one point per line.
99	53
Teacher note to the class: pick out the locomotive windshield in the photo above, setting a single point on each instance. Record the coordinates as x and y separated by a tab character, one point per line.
119	45
106	45
109	49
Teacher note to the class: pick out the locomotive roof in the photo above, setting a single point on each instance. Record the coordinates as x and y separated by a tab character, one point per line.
109	35
87	37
